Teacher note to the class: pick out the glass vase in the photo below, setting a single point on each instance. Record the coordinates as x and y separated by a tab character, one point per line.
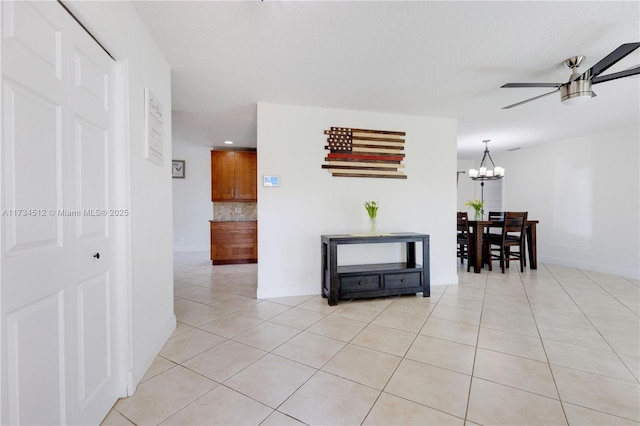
372	222
477	215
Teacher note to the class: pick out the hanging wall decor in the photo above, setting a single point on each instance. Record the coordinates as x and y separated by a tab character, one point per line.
365	153
153	129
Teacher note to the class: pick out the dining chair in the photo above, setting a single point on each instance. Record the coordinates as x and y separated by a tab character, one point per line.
512	236
499	216
463	239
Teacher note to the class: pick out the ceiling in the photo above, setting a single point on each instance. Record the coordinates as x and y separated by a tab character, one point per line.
437	59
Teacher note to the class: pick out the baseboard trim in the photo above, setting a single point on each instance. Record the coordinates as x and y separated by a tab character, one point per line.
623	272
154	346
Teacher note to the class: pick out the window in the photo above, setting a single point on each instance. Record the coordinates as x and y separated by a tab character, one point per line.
492	195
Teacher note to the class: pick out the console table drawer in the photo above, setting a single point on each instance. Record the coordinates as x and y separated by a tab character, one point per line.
360	283
406	280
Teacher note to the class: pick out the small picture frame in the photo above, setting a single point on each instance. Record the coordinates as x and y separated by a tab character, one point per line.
270	180
177	169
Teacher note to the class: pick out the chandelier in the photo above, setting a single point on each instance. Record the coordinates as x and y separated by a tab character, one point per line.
484	173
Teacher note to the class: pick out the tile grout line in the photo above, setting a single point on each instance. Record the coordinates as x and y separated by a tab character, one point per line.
215	381
402	358
559	282
475	352
595	328
486	288
544	349
607	291
319	369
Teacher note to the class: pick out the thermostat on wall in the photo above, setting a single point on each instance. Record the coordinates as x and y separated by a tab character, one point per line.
270	180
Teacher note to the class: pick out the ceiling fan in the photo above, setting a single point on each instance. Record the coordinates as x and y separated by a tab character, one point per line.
578	88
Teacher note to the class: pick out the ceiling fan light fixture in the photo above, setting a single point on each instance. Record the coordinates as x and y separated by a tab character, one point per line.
578	89
576	92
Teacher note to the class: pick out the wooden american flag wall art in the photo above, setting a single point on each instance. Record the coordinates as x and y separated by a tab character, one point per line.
365	153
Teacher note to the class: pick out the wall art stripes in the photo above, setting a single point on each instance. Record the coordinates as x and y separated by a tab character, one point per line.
365	153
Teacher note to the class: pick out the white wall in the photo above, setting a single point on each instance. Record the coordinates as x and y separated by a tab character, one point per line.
586	193
310	202
192	207
466	187
119	29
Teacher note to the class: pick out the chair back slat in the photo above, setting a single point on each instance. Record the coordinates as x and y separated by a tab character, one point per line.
463	222
496	215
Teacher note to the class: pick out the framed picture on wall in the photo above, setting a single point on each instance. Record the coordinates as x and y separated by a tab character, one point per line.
153	132
177	169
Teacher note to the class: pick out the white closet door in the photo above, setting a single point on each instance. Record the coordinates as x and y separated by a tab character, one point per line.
59	342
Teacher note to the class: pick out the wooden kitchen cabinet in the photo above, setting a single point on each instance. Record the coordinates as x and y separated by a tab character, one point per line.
233	176
234	242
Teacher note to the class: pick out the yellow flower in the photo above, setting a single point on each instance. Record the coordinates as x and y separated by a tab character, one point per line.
476	204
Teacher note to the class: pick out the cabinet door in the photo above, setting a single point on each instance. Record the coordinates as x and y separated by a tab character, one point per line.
246	176
222	176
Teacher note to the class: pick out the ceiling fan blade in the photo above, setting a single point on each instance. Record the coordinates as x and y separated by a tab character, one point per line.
530	99
609	60
613	76
508	85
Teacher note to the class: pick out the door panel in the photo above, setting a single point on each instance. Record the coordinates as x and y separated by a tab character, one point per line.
246	176
91	179
97	378
57	296
91	78
94	343
222	176
32	166
44	46
32	331
35	187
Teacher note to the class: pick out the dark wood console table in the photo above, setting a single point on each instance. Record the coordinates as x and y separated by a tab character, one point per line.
374	280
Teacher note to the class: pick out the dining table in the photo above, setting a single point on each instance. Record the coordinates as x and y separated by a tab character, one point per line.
478	226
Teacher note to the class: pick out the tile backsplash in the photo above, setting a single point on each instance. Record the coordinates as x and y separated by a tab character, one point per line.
230	212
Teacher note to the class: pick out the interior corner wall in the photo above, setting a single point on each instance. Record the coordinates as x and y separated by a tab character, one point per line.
311	202
192	207
466	188
585	192
117	26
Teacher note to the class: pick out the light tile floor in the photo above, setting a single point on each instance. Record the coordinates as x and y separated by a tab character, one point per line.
553	346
